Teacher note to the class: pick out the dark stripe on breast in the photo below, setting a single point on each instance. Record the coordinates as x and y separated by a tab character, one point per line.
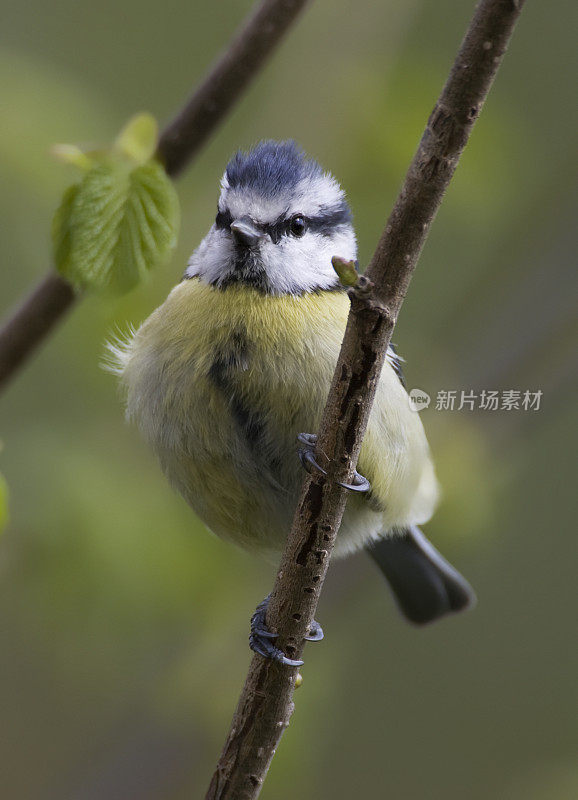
222	374
251	424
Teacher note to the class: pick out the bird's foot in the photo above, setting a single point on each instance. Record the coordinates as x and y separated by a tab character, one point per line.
261	638
315	632
307	457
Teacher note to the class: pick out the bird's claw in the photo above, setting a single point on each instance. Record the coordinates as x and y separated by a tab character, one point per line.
308	461
315	632
260	637
358	484
307	458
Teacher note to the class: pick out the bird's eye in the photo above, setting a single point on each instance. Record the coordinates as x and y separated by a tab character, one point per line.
298	225
223	220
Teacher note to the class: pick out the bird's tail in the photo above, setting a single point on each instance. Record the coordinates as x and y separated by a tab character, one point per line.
425	585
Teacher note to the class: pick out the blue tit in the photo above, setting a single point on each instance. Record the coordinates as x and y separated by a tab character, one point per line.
238	360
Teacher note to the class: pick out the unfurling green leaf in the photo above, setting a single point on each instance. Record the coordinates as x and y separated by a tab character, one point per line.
139	137
71	154
116	224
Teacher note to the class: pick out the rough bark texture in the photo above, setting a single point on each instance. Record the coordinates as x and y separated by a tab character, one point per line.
179	143
266	704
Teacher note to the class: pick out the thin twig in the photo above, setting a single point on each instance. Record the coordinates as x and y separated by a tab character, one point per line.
31	323
266	705
179	143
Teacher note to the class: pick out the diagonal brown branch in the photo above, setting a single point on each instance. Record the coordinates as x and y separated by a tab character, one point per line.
181	140
32	321
265	705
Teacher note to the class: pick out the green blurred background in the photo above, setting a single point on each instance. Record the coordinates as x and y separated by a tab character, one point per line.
123	624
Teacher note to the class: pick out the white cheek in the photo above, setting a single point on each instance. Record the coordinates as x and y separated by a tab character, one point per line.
211	257
301	265
343	244
292	265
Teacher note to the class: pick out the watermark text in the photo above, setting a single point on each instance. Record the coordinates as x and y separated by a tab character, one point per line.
483	400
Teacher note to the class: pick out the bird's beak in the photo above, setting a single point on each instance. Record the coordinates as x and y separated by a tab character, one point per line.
245	232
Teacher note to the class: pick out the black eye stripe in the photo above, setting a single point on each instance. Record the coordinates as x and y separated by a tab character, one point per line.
323	223
223	220
326	222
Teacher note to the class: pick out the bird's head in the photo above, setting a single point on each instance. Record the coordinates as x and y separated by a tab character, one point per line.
280	219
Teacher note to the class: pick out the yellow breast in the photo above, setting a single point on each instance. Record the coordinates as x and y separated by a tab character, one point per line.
207	318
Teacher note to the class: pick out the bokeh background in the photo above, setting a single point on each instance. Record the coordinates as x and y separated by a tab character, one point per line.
123	623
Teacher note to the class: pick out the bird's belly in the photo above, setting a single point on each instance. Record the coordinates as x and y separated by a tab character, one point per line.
241	473
221	386
243	494
237	468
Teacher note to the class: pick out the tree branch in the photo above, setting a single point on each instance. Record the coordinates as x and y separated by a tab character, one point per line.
179	143
266	705
32	322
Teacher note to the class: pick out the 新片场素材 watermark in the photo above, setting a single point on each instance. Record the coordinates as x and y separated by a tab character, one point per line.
482	400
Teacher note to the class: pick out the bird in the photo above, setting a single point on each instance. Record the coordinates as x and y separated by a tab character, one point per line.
236	364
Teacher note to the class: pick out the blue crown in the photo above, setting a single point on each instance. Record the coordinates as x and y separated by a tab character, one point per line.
271	167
